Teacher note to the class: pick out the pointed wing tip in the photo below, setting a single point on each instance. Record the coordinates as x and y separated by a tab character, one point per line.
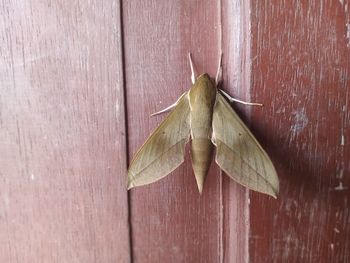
274	195
276	189
270	192
273	192
130	185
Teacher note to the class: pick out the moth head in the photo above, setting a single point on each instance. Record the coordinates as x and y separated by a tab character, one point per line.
205	80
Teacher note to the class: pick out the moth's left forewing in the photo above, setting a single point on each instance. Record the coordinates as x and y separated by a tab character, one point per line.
239	154
164	149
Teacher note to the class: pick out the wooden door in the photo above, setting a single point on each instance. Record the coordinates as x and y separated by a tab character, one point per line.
78	82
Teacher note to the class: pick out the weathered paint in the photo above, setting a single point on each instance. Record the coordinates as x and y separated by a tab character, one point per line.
302	75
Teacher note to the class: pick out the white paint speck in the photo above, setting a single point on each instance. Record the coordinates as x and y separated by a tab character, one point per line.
336	230
332	246
6	200
342	140
281	110
117	109
340	187
32	177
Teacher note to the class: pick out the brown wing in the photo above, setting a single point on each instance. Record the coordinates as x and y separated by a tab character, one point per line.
239	154
163	151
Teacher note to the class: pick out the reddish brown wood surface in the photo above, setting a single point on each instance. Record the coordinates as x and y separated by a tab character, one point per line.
70	79
235	17
301	72
62	137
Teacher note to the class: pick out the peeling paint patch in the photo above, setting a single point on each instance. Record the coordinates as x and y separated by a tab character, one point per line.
300	122
345	6
348	34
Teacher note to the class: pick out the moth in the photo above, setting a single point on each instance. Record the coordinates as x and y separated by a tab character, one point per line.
203	117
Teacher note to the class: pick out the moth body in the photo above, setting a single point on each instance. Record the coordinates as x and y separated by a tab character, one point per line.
202	97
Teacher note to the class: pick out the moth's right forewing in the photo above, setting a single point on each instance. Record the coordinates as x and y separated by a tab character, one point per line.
163	151
239	154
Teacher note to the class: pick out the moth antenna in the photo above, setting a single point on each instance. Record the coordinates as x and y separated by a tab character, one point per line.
231	99
193	74
169	108
219	71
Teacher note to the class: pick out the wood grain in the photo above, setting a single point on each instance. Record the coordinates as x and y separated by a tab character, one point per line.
63	138
235	21
62	133
301	67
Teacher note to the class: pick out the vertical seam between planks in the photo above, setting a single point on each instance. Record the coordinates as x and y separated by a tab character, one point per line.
246	56
131	254
221	205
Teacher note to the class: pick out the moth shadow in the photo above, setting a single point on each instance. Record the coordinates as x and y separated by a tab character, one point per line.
299	173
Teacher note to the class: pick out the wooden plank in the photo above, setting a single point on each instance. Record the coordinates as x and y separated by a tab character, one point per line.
301	70
62	133
236	80
171	222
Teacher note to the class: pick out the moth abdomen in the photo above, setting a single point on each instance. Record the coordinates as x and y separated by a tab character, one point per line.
201	156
